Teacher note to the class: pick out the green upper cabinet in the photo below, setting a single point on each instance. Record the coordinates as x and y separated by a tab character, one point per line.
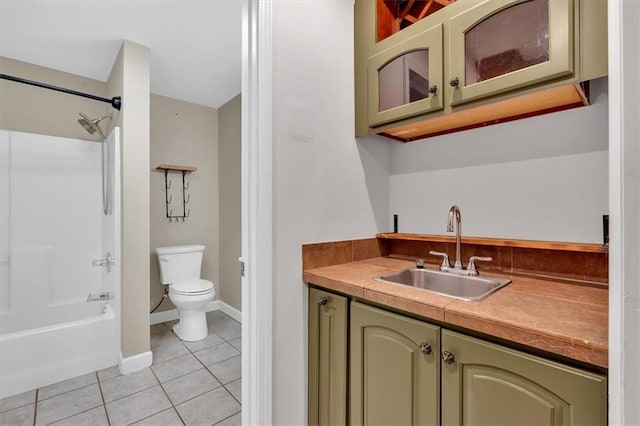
504	45
488	384
327	358
394	369
447	62
404	79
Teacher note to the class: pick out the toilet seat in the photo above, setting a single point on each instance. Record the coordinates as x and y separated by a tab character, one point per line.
194	287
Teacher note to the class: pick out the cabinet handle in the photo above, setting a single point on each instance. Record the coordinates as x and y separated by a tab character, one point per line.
425	348
323	301
454	82
433	89
448	357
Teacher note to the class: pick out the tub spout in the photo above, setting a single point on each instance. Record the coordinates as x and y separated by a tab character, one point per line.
98	297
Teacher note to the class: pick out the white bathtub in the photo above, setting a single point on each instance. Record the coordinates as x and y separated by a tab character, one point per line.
39	357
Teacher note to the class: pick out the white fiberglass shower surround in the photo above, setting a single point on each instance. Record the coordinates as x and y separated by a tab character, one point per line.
59	313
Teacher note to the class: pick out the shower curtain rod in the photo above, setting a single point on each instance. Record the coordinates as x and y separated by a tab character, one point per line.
115	102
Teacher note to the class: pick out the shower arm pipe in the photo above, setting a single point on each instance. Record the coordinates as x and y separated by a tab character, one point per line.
115	102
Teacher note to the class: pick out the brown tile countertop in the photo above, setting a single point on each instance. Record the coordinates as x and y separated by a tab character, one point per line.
560	318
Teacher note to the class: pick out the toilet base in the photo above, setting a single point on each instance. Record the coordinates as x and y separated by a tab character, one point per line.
191	326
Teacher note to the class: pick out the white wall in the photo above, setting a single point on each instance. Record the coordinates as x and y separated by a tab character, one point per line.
542	178
327	186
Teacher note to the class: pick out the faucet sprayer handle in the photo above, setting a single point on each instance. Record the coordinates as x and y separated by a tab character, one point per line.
445	259
471	268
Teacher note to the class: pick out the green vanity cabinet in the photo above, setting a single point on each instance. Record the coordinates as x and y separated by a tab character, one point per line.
403	371
394	369
487	384
328	321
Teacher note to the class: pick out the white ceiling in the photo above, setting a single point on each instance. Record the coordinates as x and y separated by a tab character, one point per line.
195	44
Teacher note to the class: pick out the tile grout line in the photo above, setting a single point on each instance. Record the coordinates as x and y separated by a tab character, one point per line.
131	394
209	371
104	403
66	392
35	408
206	367
231	393
168	397
226	418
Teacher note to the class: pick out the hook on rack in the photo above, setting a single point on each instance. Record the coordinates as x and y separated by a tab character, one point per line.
168	183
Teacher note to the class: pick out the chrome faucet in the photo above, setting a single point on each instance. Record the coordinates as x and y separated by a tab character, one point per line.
455	210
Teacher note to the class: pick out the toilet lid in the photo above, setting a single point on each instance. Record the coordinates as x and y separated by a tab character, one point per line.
196	286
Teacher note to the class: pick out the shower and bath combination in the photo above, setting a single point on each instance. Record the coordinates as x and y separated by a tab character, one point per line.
93	126
45	271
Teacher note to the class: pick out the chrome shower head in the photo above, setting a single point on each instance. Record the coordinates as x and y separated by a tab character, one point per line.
92	125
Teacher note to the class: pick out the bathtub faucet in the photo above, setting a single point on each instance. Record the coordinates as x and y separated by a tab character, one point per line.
106	262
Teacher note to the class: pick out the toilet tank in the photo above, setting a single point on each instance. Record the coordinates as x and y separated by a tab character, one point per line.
179	263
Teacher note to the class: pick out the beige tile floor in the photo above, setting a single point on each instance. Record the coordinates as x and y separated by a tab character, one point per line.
189	383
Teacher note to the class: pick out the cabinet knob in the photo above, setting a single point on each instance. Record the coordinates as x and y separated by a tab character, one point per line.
425	348
448	357
454	82
323	301
433	89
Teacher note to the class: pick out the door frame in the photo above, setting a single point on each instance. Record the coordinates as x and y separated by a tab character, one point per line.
257	214
624	212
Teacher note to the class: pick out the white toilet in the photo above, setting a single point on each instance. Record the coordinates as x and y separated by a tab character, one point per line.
180	269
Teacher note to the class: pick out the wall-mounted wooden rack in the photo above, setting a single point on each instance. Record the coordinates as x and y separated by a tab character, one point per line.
185	186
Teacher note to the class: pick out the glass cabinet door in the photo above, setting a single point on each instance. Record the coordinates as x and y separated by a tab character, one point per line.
507	44
406	79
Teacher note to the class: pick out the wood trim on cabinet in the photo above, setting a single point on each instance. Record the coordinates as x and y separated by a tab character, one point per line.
500	242
537	103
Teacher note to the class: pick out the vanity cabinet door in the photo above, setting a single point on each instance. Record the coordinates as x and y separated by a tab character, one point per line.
394	369
327	358
502	45
487	384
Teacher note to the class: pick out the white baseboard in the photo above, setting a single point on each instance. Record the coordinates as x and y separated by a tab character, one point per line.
135	363
163	316
214	305
231	311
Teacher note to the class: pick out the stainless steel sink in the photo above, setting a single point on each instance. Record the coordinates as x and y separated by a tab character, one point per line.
447	284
